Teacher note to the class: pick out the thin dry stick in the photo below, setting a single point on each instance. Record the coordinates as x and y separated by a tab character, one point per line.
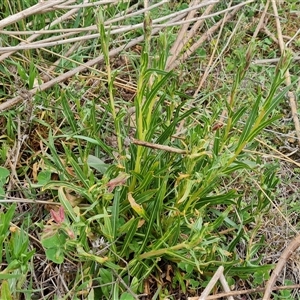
52	41
211	283
70	51
47	42
198	24
209	16
294	36
271	60
243	292
184	11
282	261
36	35
202	39
291	95
116	18
29	12
261	20
158	146
225	286
64	6
208	67
270	34
185	35
179	42
60	40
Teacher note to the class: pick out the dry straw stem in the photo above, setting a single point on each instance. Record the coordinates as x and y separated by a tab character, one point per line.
36	9
217	276
38	34
129	14
14	101
60	40
158	146
291	95
225	286
281	263
272	60
211	283
103	2
185	35
247	292
202	39
212	63
208	69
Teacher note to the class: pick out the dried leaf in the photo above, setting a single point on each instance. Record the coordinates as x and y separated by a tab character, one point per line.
58	216
119	180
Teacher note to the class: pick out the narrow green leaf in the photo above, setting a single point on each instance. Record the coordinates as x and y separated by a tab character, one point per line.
155	89
55	158
115	213
95	142
153	215
67	205
68	112
78	170
5	291
115	292
6	218
81	191
250	122
238	115
261	126
129	236
170	129
272	104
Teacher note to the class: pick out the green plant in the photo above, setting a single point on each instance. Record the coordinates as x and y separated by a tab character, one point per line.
15	254
4	173
155	207
143	180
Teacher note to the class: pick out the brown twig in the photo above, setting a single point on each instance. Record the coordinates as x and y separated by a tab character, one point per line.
202	39
212	62
282	261
250	291
217	276
158	146
185	35
291	96
211	283
29	12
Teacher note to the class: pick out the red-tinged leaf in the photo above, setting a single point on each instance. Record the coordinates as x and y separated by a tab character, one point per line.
118	181
58	216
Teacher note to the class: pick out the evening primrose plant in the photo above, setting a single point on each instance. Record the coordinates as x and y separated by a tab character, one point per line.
154	207
139	186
